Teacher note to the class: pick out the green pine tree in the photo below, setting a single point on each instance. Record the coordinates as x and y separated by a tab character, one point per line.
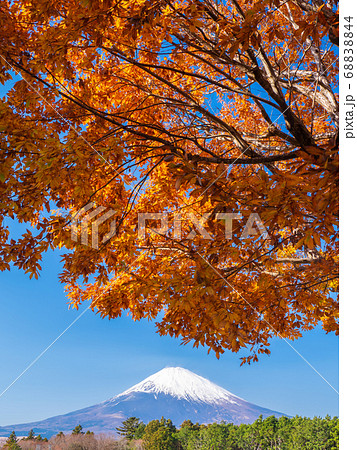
11	442
30	436
78	430
130	428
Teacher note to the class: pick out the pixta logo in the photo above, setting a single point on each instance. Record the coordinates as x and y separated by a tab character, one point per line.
83	219
253	226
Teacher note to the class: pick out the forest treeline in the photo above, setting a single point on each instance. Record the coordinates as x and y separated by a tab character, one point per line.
297	433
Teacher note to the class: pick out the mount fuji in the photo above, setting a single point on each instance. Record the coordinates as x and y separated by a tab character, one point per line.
175	393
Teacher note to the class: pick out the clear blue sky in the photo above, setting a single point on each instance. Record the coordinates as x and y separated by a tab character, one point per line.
96	358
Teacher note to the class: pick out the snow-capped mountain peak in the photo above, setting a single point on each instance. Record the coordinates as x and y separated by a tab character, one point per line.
182	384
174	393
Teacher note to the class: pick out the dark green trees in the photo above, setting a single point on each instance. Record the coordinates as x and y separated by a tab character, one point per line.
11	442
78	430
297	433
30	436
131	428
188	434
160	435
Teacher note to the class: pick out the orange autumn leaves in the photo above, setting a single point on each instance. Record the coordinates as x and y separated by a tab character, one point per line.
192	109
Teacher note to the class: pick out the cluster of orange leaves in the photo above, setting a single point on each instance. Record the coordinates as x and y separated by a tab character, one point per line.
196	107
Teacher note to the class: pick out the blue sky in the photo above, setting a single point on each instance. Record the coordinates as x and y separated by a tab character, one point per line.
97	358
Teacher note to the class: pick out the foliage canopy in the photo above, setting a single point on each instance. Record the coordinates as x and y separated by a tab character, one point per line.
201	108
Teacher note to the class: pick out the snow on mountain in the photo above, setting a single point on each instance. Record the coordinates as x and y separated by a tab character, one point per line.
181	384
174	393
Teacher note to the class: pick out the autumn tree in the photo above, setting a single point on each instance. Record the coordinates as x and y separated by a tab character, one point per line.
222	116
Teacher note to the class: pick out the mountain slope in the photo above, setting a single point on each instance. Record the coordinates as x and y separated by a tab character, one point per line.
174	393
